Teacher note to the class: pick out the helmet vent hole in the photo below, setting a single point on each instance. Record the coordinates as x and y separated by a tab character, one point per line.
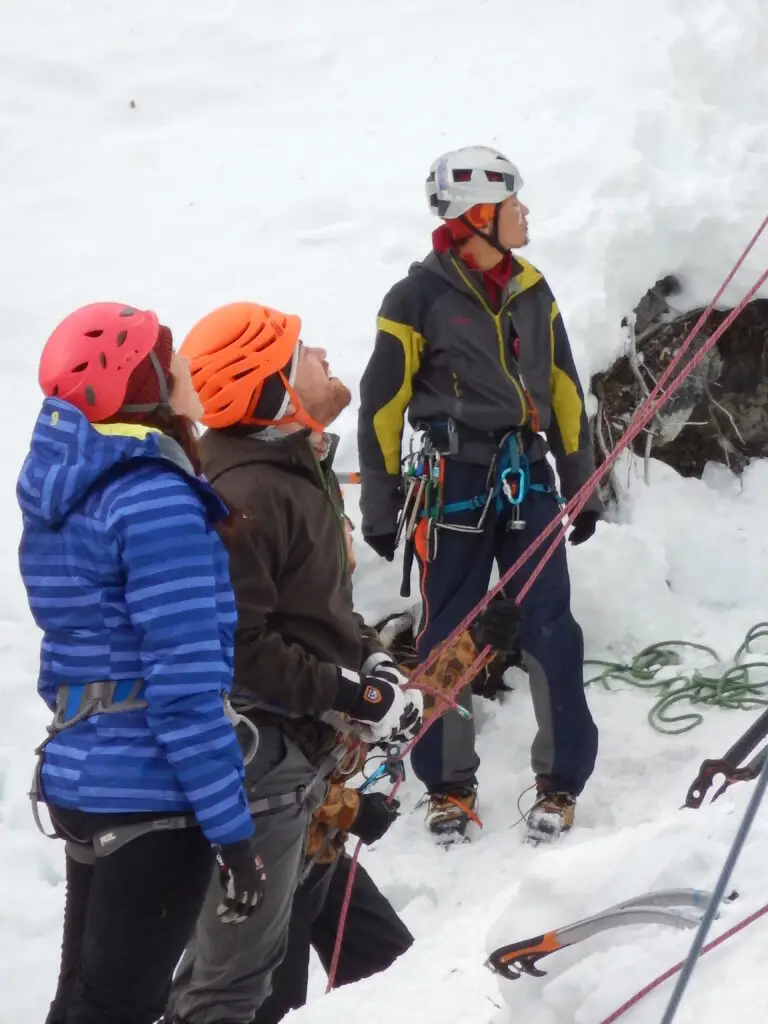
80	368
462	175
102	360
55	390
128	311
94	334
494	176
121	338
90	395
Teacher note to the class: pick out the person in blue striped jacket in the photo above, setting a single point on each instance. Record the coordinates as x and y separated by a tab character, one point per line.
127	577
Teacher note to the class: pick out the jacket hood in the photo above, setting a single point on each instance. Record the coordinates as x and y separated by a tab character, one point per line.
68	455
224	450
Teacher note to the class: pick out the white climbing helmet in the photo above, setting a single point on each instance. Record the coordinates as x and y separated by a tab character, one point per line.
463	178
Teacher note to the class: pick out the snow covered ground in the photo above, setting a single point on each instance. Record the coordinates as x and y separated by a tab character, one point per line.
181	155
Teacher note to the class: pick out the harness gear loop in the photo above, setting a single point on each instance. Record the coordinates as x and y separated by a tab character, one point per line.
423	514
508	479
74	703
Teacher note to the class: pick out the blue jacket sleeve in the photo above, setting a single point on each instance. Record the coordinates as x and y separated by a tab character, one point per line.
167	550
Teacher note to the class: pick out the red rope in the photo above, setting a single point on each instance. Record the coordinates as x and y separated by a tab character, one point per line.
348	899
343	917
674	970
644	414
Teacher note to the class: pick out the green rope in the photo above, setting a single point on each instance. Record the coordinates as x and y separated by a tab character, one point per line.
734	689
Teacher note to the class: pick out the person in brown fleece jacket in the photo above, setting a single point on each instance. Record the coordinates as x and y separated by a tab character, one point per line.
301	654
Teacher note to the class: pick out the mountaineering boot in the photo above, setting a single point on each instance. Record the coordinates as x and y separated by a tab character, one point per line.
449	814
551	815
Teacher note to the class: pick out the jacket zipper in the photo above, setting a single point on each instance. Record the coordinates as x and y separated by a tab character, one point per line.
337	513
496	317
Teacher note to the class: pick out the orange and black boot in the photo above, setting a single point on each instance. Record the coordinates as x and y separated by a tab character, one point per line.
450	813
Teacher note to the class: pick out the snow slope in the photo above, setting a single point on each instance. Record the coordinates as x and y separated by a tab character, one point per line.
183	155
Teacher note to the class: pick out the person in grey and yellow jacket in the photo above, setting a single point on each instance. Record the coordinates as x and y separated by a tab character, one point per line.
472	344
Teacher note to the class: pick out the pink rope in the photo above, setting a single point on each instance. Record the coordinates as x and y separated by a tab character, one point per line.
674	970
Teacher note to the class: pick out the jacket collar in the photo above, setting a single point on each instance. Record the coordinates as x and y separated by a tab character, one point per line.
451	267
224	450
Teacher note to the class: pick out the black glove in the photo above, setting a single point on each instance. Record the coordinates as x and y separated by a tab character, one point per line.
583	526
243	878
497	627
374	817
383	544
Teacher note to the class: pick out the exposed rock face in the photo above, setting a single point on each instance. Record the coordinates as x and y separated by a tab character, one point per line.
719	414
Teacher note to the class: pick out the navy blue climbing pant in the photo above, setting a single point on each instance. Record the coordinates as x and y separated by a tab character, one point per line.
565	746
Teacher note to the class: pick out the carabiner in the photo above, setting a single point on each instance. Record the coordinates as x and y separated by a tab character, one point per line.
513	484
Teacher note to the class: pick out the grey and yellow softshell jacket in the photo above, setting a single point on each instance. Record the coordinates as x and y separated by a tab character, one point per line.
442	349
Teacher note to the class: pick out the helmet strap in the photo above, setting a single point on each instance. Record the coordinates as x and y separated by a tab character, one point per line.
162	387
493	238
299	415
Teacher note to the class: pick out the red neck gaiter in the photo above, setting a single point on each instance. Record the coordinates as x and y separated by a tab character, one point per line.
494	280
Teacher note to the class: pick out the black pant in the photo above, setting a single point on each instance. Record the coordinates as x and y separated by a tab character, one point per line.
127	918
374	936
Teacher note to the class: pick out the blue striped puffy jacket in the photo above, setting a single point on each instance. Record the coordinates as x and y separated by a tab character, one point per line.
128	580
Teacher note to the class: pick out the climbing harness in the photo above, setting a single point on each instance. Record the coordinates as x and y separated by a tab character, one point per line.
724	686
508	483
680	908
74	703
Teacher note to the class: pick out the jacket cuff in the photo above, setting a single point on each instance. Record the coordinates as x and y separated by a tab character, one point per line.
347	690
380	656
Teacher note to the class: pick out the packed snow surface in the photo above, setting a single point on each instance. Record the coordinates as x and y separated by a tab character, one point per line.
178	156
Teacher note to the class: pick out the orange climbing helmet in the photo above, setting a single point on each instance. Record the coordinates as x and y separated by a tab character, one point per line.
243	360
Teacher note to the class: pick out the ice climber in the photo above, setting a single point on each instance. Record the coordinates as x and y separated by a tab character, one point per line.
127	578
300	650
472	344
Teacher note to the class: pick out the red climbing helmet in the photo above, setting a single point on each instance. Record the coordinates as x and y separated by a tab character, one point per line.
89	358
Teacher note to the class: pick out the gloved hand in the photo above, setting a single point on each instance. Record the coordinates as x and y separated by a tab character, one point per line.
383	544
390	714
583	526
497	627
374	817
243	878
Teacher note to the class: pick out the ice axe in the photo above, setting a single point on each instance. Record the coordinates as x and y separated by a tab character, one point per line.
680	908
728	764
